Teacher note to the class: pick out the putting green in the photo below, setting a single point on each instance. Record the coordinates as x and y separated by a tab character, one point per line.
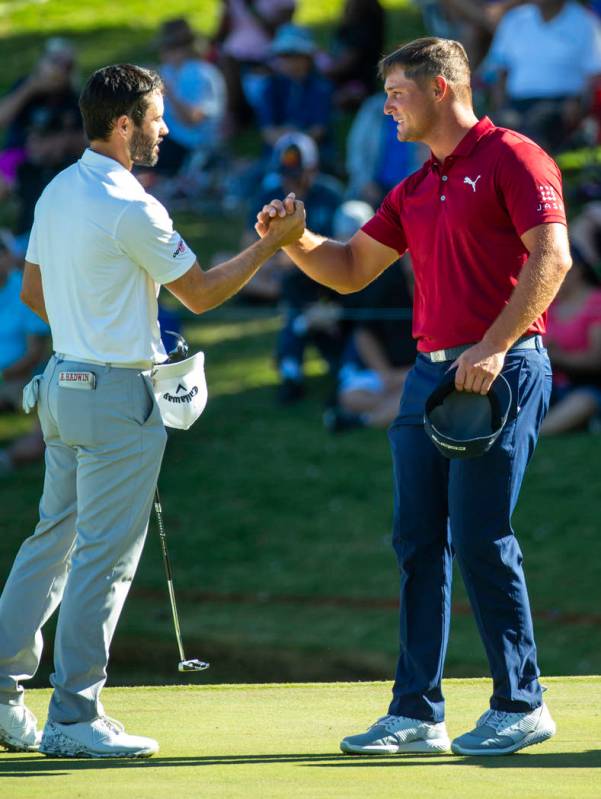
281	741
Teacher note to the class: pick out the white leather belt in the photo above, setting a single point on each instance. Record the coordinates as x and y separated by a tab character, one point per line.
63	356
531	342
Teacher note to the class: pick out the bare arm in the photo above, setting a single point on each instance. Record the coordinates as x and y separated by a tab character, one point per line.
32	292
343	267
539	282
200	291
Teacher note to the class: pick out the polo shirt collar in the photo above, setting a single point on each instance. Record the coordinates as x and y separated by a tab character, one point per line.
103	162
468	142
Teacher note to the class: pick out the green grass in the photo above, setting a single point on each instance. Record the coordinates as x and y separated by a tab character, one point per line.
281	742
279	533
279	536
109	33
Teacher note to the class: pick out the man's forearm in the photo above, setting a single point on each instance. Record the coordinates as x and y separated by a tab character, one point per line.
538	284
200	291
224	280
325	261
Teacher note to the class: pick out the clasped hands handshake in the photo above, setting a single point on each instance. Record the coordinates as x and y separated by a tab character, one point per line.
281	221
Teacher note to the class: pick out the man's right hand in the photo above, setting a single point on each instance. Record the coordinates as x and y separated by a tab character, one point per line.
285	225
273	210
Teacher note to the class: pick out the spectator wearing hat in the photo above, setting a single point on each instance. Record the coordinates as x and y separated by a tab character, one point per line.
295	97
245	32
195	97
547	56
49	90
295	168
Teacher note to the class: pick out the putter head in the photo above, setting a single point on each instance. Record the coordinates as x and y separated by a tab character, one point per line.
180	351
192	665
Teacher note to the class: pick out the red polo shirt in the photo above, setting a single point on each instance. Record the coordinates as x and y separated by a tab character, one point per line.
461	221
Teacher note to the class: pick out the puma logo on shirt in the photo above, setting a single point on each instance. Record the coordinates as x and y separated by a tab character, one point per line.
471	182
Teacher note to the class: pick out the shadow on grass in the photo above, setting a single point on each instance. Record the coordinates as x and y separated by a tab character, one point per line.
34	766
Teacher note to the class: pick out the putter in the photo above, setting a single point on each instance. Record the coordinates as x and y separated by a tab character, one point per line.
179	353
185	664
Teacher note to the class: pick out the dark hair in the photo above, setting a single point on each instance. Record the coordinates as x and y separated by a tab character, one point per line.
428	57
114	91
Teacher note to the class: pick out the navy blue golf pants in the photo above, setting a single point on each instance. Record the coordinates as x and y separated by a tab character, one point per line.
462	508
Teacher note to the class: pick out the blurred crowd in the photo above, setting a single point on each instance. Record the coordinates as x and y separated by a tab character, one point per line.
314	113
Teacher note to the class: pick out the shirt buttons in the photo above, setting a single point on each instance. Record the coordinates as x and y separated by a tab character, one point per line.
442	197
445	177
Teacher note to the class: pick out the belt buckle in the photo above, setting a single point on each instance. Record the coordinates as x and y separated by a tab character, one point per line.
438	356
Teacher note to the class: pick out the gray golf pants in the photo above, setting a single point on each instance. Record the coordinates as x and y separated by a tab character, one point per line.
103	454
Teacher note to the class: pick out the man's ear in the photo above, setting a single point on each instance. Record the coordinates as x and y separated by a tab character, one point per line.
123	125
439	87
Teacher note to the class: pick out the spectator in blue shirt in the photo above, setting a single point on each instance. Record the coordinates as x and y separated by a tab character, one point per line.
375	159
23	335
295	97
195	97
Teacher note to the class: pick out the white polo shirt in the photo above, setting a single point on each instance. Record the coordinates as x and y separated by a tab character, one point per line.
104	246
547	59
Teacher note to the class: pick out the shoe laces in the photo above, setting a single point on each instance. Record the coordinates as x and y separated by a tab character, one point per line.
390	723
499	719
113	725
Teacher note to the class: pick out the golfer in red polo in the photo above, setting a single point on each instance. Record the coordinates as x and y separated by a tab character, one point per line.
485	225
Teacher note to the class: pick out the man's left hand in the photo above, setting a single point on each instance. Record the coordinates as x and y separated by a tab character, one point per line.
275	209
478	367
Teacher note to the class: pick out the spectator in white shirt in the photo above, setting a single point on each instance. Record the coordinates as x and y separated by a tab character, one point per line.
547	55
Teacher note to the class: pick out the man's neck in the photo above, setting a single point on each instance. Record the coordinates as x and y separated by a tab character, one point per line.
445	136
108	149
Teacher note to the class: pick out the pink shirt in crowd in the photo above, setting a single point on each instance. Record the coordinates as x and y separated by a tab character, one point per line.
248	39
572	333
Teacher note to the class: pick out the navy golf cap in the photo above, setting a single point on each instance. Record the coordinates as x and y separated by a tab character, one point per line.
462	424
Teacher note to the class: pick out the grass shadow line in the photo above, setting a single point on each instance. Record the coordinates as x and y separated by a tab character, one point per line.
33	766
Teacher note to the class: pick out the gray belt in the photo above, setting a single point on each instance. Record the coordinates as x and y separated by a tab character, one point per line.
531	342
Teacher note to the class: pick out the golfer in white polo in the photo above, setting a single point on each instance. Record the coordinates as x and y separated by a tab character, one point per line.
100	248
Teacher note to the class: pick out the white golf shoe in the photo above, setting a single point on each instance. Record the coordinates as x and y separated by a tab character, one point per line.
19	729
500	733
393	735
103	737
